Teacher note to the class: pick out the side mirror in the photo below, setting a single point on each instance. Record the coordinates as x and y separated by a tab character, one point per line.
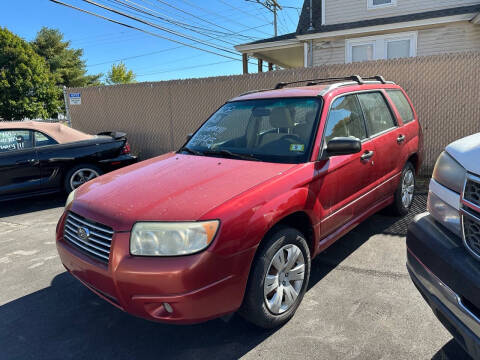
343	146
189	136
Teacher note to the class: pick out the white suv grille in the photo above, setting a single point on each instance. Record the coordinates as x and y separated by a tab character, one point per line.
471	215
88	236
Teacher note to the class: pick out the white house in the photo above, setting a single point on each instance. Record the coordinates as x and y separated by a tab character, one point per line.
343	31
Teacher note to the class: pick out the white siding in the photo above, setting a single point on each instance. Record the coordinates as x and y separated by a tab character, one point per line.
341	11
329	52
452	38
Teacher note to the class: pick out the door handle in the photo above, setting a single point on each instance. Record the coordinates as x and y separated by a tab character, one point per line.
367	155
25	162
400	139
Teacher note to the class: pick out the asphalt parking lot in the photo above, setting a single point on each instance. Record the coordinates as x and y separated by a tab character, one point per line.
360	305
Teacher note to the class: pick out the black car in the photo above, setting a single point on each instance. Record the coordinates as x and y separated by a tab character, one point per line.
40	158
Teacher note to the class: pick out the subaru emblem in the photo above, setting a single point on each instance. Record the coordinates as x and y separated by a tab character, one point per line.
83	233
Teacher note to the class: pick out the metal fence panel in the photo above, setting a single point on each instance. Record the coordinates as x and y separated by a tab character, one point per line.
158	115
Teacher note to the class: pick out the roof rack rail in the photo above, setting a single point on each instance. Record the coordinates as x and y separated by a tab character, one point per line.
310	82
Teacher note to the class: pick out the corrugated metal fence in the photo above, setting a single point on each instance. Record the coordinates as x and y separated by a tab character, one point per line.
157	116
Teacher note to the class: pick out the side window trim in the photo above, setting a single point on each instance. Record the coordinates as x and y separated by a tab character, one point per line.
387	103
412	110
19	150
367	131
47	136
322	142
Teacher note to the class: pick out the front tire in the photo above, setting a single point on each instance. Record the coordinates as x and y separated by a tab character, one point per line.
278	279
404	195
79	175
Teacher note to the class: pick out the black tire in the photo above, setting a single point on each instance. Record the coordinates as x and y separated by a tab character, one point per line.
254	308
398	207
72	172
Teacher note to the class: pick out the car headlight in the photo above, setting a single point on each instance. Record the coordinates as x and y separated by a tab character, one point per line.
447	183
171	239
70	198
446	214
449	173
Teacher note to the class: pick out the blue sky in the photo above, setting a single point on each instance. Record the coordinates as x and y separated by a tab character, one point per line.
150	57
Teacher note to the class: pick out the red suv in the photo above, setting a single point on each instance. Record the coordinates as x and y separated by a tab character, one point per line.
232	220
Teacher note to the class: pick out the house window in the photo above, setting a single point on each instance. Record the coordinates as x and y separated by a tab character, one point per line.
363	52
391	46
398	48
375	4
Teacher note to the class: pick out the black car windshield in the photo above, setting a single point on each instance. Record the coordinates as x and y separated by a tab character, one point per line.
272	130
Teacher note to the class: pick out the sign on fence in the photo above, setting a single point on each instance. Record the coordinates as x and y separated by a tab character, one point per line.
75	98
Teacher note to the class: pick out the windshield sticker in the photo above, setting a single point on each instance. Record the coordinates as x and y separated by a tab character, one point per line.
297	147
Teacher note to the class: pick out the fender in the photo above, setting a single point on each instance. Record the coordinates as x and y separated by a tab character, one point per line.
278	208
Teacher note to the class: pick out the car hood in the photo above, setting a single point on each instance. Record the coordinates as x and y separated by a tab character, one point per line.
467	152
172	187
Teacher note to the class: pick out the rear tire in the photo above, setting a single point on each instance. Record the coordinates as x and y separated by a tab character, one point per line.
80	174
405	193
278	279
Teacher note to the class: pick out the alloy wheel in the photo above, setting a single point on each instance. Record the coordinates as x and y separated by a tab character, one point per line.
81	176
408	187
284	279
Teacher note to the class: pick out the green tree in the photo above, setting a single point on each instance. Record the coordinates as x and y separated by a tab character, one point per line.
119	74
65	63
27	88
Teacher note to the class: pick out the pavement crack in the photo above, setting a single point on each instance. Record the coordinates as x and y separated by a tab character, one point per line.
371	272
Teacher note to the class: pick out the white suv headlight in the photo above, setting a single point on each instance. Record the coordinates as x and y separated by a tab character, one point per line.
446	185
171	238
449	173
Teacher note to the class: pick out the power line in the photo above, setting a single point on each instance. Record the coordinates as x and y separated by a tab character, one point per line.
193	15
136	56
185	68
230	33
173	22
142	30
173	32
209	12
273	6
239	9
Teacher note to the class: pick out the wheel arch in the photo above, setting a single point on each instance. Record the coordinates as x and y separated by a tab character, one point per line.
414	159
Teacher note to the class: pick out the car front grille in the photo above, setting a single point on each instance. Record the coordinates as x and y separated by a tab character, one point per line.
472	192
471	215
88	236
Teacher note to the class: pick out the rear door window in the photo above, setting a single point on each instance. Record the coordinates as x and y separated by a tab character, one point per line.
402	105
13	140
377	113
345	119
43	140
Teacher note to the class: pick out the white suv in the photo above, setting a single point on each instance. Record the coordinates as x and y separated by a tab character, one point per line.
443	245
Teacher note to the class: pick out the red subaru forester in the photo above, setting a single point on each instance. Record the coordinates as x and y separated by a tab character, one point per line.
231	221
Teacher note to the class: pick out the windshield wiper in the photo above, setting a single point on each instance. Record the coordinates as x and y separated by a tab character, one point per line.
231	154
191	151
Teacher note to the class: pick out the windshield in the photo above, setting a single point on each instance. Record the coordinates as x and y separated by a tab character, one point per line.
272	130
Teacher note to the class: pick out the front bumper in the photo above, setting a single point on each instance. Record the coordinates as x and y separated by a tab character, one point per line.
198	287
446	276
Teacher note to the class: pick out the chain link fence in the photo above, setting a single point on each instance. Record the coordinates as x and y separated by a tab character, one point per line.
157	116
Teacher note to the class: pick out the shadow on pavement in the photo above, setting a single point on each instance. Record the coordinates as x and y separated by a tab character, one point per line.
28	205
65	320
451	351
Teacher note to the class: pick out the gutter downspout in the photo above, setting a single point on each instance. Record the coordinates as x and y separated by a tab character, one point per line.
311	28
310	43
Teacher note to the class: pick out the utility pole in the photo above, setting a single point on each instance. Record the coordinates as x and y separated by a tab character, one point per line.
273	6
